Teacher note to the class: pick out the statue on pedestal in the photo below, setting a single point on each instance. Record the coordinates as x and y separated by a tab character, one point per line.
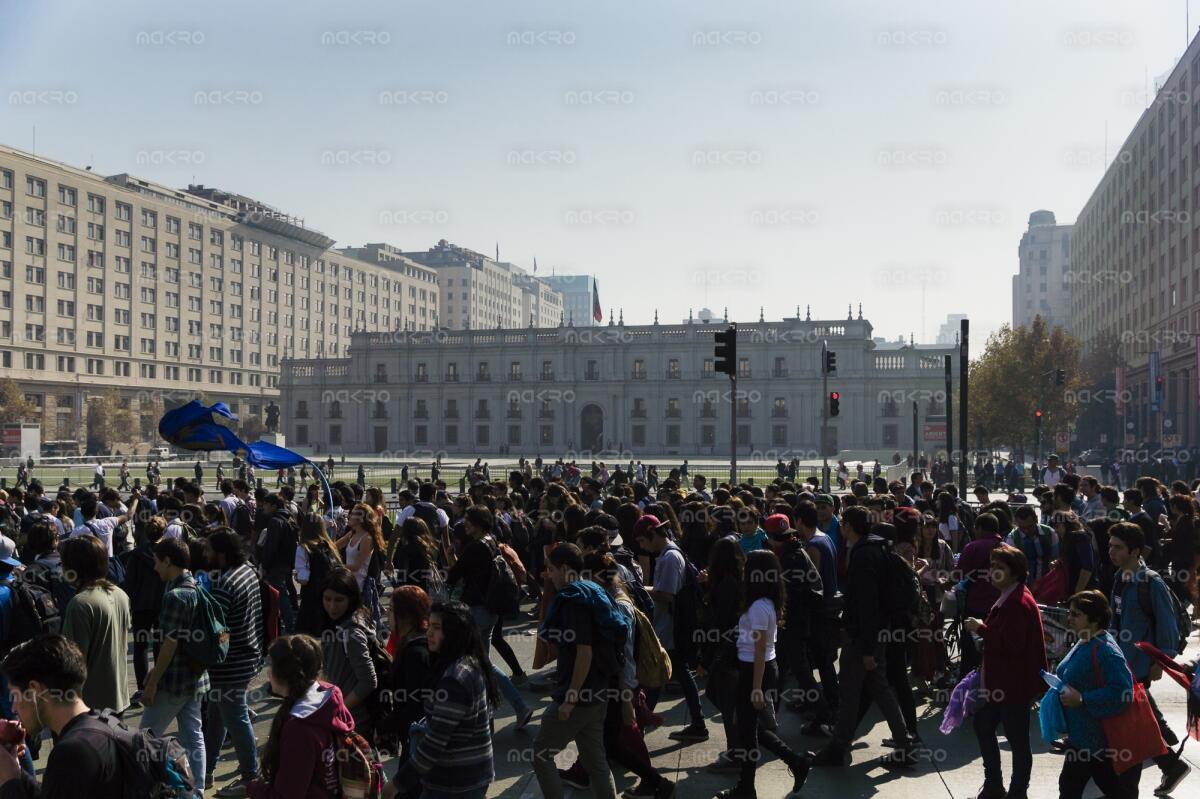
272	417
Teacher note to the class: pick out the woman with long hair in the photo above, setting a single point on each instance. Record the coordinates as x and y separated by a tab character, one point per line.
415	555
1182	551
98	619
452	751
723	589
409	647
346	644
362	540
306	727
763	603
316	558
697	539
949	527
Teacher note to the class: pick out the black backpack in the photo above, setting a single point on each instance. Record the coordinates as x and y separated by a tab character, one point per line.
34	612
503	594
1183	621
151	766
427	512
902	593
60	590
243	524
686	608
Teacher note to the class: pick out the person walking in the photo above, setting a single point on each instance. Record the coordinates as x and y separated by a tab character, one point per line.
98	619
236	591
1097	685
763	603
347	648
1014	655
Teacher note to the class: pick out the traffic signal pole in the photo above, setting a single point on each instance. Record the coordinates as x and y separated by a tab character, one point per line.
824	416
733	432
725	361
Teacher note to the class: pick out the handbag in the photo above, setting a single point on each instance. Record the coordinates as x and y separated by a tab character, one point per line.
1051	588
1133	734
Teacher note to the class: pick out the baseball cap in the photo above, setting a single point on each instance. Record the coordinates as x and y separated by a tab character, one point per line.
646	525
8	551
777	524
823	499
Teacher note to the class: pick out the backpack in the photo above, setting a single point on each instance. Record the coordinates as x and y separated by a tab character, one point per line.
269	598
320	563
686	607
653	663
152	767
902	592
503	594
427	512
966	520
243	524
360	772
34	612
1183	621
514	563
60	590
208	645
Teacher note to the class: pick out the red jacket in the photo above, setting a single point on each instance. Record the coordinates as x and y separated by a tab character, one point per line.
307	750
1014	650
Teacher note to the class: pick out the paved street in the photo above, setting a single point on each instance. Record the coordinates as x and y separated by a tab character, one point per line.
953	768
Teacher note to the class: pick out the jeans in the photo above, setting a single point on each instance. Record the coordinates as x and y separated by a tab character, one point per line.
750	732
1015	718
287	600
585	727
1080	768
682	672
485	620
228	710
186	711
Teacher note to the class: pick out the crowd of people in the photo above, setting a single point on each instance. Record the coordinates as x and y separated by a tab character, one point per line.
380	621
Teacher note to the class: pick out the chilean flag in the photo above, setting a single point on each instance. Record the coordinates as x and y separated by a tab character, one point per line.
596	312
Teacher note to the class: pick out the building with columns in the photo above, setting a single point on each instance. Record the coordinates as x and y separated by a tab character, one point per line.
619	389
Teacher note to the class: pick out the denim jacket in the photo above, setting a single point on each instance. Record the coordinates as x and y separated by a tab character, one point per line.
1130	624
1098	670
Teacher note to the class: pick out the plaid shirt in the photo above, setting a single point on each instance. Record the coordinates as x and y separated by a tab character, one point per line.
176	621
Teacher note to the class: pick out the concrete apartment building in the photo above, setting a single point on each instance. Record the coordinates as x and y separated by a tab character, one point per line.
643	389
579	298
117	282
1043	283
478	292
1135	260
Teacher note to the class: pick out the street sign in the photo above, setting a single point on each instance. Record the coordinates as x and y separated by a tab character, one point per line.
1062	441
935	432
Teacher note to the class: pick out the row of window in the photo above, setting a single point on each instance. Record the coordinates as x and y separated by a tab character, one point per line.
545	434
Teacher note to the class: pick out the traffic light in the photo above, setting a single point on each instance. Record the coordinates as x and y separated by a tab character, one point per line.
834	399
830	362
726	351
1037	415
1060	377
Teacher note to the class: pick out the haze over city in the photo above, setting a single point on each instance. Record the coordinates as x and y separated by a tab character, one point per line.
687	154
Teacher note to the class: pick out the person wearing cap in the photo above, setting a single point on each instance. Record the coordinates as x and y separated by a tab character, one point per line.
804	589
827	520
1052	474
751	536
675	624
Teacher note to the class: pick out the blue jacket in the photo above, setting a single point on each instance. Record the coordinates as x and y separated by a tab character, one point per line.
1130	624
609	618
1104	695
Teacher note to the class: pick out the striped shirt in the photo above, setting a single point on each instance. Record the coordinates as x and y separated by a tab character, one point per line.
455	755
237	592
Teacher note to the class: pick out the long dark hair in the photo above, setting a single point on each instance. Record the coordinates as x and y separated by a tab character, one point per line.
295	660
342	581
416	531
725	560
763	579
460	638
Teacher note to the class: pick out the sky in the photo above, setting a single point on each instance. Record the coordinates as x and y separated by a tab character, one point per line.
744	155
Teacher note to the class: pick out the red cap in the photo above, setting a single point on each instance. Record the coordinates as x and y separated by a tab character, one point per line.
777	524
645	525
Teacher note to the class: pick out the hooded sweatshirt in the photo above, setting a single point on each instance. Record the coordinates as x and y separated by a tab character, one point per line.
308	747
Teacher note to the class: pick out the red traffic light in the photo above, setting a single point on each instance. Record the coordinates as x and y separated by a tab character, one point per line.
834	395
1038	414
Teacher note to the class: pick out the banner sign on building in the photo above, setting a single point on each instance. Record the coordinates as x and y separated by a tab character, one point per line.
935	432
1119	381
1155	397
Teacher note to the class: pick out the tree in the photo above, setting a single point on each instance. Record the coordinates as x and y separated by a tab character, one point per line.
108	422
251	428
14	408
1098	401
1015	376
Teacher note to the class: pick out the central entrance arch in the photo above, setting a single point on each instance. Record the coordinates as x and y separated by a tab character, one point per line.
591	428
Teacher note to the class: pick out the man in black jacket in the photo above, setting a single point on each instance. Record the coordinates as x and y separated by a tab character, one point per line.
862	666
48	673
276	552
